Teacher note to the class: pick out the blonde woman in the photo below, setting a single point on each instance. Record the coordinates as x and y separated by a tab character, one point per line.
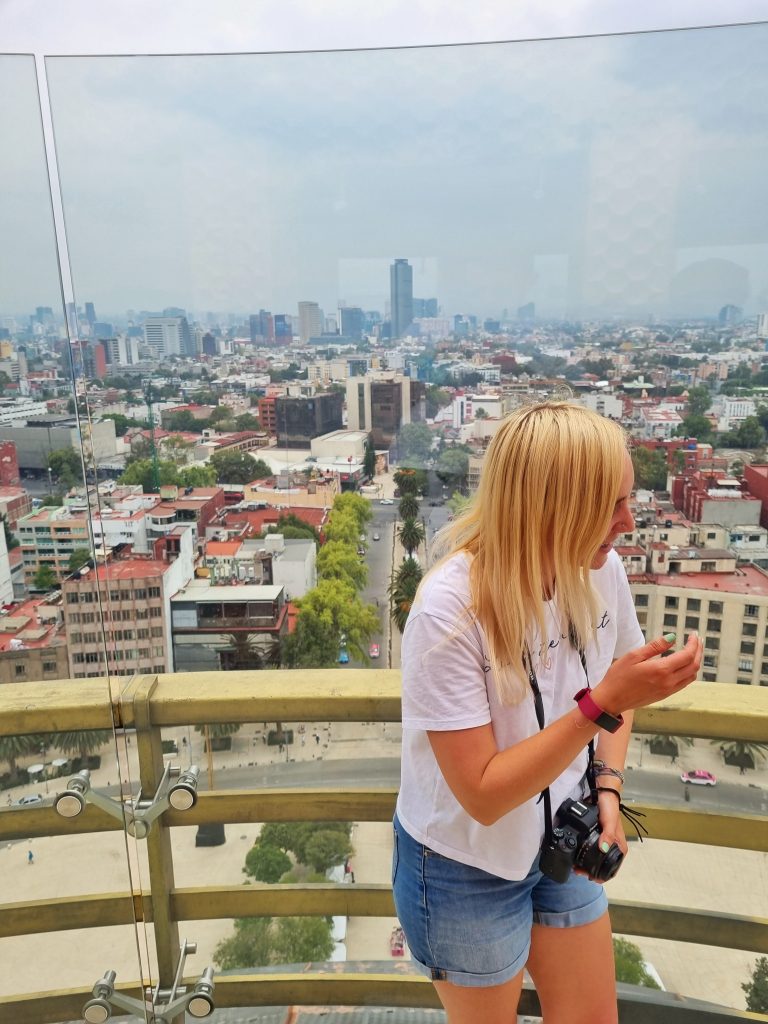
521	648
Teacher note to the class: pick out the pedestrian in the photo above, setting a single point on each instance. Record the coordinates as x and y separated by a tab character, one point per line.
317	738
30	857
527	609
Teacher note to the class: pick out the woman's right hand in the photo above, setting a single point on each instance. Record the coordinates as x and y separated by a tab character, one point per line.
641	677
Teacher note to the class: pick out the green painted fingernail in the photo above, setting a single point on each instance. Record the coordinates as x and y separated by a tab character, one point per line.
670	637
605	847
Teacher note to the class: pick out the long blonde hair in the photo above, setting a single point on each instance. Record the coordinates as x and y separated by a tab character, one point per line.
549	484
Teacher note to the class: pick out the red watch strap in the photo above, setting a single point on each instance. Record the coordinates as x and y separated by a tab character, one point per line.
591	710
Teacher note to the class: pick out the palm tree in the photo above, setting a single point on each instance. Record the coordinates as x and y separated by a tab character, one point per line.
742	753
411	535
14	747
402	591
409	507
83	742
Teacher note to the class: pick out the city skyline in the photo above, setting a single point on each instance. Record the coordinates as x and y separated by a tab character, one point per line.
248	182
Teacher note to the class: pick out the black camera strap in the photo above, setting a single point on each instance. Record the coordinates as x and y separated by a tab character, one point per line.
538	704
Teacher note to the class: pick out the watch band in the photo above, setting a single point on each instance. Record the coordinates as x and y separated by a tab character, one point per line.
587	706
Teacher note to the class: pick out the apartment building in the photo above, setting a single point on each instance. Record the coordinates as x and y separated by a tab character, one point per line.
227	627
117	613
264	560
32	641
48	537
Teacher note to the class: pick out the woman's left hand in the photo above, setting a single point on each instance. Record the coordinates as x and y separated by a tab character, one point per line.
610	822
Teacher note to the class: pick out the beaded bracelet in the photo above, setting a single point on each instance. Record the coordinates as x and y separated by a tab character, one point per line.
601	768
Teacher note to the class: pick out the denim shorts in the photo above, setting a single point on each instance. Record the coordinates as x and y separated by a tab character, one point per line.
472	928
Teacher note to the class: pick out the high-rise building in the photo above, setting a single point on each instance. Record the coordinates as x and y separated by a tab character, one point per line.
424	308
283	329
262	328
90	313
762	325
311	321
382	403
401	296
352	322
300	419
168	336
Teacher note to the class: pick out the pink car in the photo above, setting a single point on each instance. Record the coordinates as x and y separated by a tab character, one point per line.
698	777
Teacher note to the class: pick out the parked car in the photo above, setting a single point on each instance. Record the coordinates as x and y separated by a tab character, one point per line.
376	536
698	777
30	798
361	550
386	501
373	651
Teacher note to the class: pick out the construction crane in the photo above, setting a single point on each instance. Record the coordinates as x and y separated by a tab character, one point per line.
152	445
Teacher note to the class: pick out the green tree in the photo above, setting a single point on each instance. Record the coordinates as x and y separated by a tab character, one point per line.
66	466
183	419
369	459
410	481
325	612
78	559
326	848
197	476
402	590
338	560
698	427
260	941
699	400
122	423
630	968
453	466
83	742
14	747
750	433
342	526
142	472
436	399
355	504
266	863
294	836
247	421
458	502
756	989
650	469
221	414
11	541
742	753
176	449
408	507
414	445
44	579
238	468
411	535
294	528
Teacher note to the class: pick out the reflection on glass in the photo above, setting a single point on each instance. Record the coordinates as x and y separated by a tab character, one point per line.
305	279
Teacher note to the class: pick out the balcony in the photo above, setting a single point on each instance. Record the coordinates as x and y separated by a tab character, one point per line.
154	903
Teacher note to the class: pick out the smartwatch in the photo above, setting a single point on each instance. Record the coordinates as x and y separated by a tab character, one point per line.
595	713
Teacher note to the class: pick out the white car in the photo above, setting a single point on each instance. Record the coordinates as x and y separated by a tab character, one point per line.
31	798
387	501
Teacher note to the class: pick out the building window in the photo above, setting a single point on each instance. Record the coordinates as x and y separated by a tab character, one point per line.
745	664
92	657
671	602
712	643
710	661
21	670
142	613
747	647
141	594
142	634
154	591
641	600
114	595
78	659
713	625
743	682
694	604
155	613
711	536
708	566
49	666
158	631
751	610
691	622
158	668
642	618
709	677
749	629
72	598
670	620
715	607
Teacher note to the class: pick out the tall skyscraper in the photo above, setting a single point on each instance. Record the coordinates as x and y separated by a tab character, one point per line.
401	296
90	313
311	321
352	319
168	336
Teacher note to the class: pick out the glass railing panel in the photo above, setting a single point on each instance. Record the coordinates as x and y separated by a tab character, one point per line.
46	549
581	222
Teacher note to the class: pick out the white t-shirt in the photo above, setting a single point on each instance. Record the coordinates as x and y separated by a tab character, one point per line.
448	684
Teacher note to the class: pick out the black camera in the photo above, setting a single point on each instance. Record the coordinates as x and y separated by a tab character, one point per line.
575	844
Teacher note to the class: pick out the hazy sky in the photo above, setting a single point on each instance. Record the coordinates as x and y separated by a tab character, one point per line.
598	176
